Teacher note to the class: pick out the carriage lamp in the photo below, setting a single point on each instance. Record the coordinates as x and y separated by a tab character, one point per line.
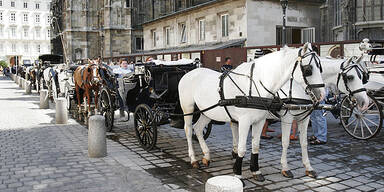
284	4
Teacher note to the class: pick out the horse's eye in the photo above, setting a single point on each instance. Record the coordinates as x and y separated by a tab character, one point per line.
350	77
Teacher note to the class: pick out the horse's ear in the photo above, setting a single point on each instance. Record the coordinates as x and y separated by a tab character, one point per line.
305	47
359	59
348	62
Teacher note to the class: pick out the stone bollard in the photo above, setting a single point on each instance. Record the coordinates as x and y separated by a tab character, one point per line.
44	104
224	183
97	143
17	80
25	84
21	82
61	111
28	88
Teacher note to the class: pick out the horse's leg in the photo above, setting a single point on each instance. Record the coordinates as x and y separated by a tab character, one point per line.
96	96
286	124
254	164
78	98
87	90
188	133
199	128
235	138
302	127
244	124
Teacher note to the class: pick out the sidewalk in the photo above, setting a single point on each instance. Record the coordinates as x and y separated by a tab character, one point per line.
37	155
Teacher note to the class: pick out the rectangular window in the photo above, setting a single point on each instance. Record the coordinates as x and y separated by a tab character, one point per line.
25	17
1	3
154	38
337	11
37	6
13	32
13	17
139	43
37	19
13	47
224	25
308	35
1	16
37	33
183	33
12	4
128	3
25	5
26	32
167	32
202	30
49	6
38	48
26	47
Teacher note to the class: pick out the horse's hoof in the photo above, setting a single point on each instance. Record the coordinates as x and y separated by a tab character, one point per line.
311	174
195	165
287	174
205	162
234	155
259	177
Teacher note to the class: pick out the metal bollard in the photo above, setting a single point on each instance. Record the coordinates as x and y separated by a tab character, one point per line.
44	104
28	87
97	143
224	183
61	111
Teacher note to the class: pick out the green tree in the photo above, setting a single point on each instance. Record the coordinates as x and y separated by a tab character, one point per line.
3	64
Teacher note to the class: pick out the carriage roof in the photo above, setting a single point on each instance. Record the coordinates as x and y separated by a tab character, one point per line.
377	51
52	58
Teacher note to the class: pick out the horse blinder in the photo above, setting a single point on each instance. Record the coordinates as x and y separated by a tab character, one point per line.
307	70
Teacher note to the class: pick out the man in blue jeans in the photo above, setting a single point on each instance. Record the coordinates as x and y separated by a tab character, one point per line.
319	127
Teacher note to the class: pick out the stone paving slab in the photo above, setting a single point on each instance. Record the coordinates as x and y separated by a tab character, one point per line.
36	155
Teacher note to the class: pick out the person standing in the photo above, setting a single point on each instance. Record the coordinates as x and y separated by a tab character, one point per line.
227	65
319	127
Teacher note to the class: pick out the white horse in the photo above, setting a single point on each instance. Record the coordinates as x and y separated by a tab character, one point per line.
349	83
200	87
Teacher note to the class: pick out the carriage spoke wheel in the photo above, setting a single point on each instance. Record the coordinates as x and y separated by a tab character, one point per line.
145	126
106	109
361	124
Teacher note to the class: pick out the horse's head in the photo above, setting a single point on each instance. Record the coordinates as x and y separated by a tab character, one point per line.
350	80
93	74
309	71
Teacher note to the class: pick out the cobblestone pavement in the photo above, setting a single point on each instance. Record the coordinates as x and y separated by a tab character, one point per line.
35	154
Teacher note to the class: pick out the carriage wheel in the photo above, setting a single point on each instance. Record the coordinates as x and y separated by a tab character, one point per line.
145	126
361	124
106	109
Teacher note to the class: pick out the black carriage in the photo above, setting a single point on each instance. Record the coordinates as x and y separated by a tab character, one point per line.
44	62
150	93
368	123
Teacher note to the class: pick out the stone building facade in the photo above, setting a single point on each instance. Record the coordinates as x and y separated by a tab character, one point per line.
256	23
24	29
91	28
352	20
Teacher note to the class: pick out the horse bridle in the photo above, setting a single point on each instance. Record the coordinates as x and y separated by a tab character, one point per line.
343	74
306	71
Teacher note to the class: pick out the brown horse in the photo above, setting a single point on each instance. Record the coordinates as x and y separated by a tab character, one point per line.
88	79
